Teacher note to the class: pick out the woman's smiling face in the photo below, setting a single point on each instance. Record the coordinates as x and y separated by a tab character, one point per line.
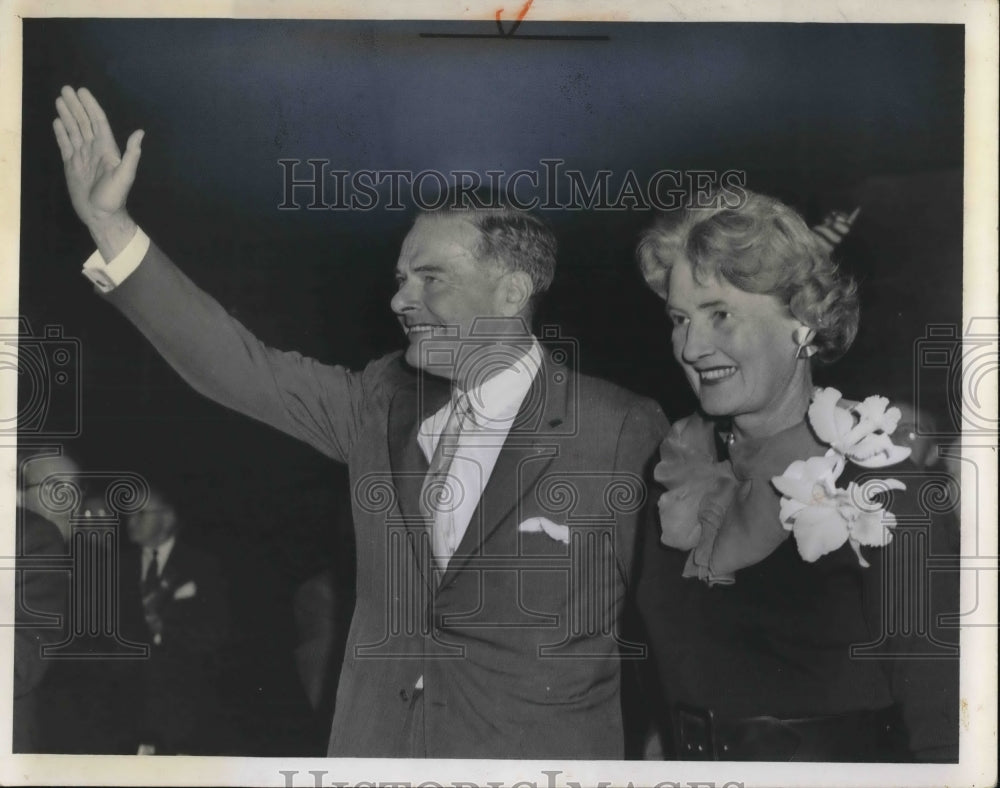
736	348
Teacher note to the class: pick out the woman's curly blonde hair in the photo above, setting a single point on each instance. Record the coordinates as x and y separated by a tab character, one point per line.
761	246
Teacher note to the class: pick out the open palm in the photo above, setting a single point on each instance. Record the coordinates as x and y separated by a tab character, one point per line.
97	175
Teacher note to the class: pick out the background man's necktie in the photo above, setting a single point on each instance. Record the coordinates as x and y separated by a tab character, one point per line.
152	597
152	578
442	491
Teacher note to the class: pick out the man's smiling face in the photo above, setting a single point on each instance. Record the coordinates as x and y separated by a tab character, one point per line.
442	289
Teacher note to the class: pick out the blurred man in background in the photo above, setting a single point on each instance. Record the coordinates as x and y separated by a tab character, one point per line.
43	535
174	600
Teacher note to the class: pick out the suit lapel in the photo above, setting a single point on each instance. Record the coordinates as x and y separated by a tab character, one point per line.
130	558
175	570
407	410
528	451
130	612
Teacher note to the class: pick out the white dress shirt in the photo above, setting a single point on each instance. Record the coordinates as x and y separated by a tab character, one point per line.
163	550
494	405
108	274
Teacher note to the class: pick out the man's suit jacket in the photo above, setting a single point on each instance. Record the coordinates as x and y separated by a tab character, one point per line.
171	698
40	618
517	645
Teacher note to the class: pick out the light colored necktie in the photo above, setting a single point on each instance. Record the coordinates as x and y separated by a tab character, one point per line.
442	492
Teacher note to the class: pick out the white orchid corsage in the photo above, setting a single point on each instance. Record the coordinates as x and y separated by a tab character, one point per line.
822	516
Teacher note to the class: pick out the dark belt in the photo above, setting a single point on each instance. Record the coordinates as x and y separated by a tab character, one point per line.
860	736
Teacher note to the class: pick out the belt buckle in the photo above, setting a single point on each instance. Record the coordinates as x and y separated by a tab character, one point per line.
694	733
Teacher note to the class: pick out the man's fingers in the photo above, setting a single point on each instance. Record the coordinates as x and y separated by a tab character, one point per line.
835	226
65	146
70	125
82	119
133	150
98	120
827	232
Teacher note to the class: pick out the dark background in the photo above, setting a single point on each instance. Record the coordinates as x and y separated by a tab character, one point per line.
823	116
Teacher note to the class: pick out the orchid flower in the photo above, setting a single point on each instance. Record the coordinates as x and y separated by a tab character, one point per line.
860	433
823	516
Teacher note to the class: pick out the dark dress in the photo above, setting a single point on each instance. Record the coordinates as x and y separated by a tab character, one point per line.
796	660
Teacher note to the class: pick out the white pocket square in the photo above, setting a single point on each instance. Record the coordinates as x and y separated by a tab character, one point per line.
186	591
535	525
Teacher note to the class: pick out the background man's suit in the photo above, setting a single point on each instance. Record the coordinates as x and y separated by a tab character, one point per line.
513	663
172	699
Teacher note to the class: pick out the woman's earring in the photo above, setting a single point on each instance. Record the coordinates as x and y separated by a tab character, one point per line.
803	335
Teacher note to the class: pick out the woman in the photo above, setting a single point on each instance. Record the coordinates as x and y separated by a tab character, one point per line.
777	561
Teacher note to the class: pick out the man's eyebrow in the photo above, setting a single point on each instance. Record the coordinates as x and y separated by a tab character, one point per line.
424	268
420	268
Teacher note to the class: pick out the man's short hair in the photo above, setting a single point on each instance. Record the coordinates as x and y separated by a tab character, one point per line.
36	465
515	239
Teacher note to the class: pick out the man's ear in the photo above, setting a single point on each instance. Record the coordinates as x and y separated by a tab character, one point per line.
516	293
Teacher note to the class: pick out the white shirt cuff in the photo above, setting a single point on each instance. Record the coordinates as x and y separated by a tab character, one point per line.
106	276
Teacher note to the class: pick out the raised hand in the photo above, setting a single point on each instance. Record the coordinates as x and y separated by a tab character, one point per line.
98	177
834	227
